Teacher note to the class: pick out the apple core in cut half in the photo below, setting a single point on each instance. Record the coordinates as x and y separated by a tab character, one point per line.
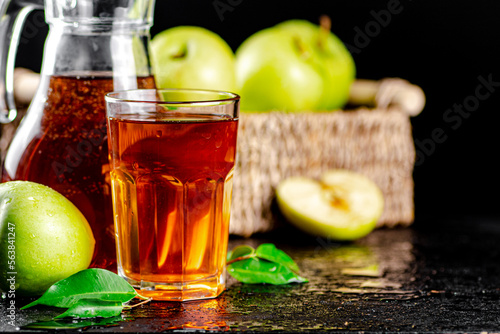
343	205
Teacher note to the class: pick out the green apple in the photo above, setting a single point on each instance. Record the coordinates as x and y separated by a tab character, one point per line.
192	57
43	238
294	66
343	205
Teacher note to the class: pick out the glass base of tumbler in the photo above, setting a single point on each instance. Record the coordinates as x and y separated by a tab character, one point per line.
206	288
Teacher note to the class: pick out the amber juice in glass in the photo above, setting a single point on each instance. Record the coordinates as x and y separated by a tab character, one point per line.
172	155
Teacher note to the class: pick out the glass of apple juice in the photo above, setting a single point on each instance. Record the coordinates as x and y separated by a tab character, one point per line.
172	155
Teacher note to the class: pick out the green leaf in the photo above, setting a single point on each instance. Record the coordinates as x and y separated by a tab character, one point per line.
266	264
73	324
86	284
91	308
239	252
255	270
271	253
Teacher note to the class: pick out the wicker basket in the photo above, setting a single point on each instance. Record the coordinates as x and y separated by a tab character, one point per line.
374	139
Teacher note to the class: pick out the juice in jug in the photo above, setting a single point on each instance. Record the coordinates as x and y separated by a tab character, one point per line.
93	47
68	151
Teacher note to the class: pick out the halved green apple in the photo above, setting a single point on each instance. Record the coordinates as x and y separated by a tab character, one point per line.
343	205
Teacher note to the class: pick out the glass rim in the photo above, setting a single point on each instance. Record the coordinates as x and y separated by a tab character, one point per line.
114	97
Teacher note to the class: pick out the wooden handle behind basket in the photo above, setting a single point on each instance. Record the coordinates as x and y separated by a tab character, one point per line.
388	93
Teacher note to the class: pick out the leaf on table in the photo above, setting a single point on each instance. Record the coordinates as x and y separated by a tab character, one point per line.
240	251
73	324
254	270
271	253
86	284
91	308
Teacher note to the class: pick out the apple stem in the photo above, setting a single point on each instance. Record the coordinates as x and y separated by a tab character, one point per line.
325	24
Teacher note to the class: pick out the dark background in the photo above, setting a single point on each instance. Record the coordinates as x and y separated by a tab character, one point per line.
443	46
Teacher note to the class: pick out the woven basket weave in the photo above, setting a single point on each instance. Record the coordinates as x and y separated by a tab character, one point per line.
376	142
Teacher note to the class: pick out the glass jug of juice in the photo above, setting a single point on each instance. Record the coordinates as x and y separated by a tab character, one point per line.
93	47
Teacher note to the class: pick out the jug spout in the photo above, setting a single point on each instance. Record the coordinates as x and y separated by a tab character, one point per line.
13	14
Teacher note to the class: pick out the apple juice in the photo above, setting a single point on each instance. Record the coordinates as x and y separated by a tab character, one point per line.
63	144
171	183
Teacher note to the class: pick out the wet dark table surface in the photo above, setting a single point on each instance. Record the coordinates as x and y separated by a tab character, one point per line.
436	276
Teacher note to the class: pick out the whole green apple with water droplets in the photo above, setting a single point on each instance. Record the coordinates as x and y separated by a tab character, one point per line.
43	238
192	57
294	66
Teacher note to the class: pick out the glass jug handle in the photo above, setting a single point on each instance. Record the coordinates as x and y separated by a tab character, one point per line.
12	18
